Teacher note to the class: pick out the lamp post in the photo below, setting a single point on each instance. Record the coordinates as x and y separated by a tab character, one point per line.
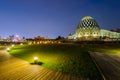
35	60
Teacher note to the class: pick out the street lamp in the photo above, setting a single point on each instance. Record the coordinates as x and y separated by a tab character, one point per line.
35	60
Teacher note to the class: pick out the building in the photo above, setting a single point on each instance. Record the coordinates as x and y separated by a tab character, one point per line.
89	30
42	40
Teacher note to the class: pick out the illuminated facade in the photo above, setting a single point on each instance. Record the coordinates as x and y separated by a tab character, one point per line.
109	34
88	29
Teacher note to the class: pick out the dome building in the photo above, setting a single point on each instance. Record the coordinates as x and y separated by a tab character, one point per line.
87	29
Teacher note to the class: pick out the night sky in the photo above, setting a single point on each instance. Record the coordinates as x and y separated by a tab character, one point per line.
51	18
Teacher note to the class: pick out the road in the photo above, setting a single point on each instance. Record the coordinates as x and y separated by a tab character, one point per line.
12	68
109	64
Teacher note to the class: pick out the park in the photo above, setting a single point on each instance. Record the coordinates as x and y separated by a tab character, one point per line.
73	59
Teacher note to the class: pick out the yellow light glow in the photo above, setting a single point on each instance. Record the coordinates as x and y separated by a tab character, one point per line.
21	44
94	35
59	42
45	42
8	49
35	58
86	35
13	45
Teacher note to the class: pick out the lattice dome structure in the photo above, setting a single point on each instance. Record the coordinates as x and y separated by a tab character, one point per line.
87	29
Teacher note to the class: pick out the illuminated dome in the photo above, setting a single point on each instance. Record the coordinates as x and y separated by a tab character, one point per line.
87	29
87	17
88	23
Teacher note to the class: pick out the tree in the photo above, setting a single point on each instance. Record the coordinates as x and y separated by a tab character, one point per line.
60	38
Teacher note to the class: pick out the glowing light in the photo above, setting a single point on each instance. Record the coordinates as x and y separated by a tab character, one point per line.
8	49
86	35
13	45
79	35
21	44
30	43
17	36
45	42
59	42
35	59
94	35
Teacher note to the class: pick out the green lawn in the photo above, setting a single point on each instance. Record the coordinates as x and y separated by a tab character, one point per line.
106	48
67	58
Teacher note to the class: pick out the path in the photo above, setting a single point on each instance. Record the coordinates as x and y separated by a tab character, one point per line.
109	64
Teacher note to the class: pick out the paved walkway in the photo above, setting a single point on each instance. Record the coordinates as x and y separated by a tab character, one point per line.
109	64
12	68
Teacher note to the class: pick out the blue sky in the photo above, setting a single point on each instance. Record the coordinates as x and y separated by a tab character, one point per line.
51	18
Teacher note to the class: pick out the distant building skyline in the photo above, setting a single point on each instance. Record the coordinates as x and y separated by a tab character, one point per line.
12	38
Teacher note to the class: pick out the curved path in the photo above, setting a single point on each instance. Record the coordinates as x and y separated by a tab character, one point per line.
109	64
12	68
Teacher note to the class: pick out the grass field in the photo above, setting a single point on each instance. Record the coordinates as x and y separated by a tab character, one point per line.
67	58
105	48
